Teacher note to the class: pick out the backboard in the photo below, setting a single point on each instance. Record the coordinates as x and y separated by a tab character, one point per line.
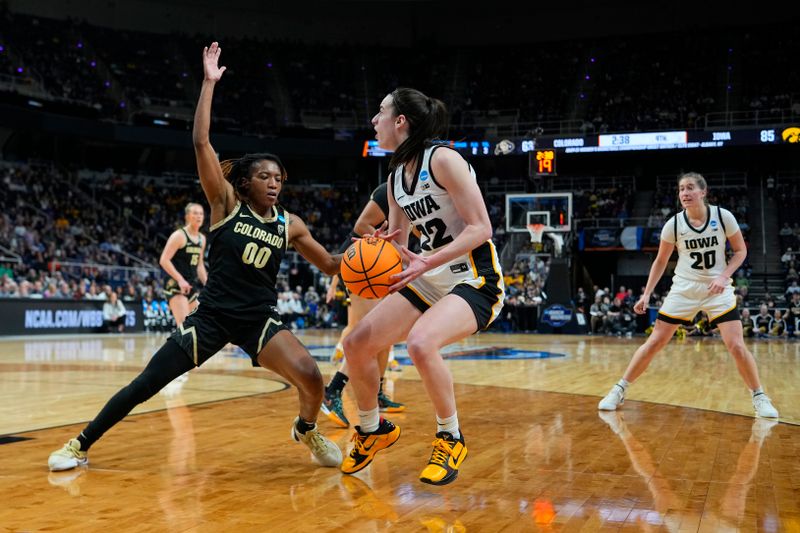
552	209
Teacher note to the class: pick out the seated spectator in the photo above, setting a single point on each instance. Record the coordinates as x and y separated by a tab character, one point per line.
777	326
622	322
748	326
113	314
701	326
762	321
793	316
597	315
741	280
581	301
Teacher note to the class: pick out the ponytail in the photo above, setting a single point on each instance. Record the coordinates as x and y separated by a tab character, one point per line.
427	122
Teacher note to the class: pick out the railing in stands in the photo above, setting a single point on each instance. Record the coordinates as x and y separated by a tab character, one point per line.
608	222
9	256
716	180
755	117
587	183
114	274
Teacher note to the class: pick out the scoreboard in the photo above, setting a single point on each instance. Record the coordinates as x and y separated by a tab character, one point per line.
543	149
668	140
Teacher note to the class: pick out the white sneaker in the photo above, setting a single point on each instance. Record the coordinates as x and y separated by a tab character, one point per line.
763	406
69	456
614	398
323	450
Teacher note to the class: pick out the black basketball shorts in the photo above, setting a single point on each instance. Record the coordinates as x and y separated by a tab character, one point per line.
206	331
171	288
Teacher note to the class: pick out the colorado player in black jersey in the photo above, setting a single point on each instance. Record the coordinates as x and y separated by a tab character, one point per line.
249	235
182	260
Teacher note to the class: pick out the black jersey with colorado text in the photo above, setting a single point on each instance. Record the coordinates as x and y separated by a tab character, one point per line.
245	253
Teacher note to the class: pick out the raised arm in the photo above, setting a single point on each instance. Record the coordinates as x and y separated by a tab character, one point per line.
310	249
218	191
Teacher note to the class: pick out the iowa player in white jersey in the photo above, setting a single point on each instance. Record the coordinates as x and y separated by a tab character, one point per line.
249	235
702	282
182	260
450	291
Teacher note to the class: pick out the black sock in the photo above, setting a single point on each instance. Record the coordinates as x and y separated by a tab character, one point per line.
168	363
302	426
337	383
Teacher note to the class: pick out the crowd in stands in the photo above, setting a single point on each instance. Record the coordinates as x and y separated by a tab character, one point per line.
606	203
612	313
88	235
57	247
634	83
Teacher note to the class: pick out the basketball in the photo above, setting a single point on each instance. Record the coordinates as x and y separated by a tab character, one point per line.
367	265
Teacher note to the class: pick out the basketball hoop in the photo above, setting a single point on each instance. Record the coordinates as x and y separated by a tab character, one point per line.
536	231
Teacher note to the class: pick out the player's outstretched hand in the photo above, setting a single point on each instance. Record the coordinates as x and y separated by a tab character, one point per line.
380	233
211	69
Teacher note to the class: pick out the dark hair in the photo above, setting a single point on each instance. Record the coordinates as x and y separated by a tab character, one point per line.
237	171
427	121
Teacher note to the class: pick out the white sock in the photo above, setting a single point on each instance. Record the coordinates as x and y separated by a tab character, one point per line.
449	424
370	420
758	391
624	383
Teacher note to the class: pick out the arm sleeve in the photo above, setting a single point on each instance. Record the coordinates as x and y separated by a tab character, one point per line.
668	231
731	226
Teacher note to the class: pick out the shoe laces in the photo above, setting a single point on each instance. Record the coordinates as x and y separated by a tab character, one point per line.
359	441
441	451
761	400
72	447
316	442
336	403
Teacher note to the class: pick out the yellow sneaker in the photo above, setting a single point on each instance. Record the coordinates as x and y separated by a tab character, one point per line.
448	454
368	444
69	456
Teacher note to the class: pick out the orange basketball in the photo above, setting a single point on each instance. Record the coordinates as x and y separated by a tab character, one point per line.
367	265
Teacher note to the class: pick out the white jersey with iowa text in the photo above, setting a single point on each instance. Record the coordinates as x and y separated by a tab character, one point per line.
701	251
428	205
430	209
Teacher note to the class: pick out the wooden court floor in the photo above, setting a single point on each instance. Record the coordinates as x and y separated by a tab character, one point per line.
214	453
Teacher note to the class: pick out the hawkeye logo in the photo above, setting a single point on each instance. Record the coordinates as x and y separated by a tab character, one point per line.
791	135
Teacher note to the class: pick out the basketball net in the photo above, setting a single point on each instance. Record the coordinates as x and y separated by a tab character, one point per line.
537	232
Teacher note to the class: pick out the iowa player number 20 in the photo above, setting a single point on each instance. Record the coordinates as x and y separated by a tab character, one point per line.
705	260
253	255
